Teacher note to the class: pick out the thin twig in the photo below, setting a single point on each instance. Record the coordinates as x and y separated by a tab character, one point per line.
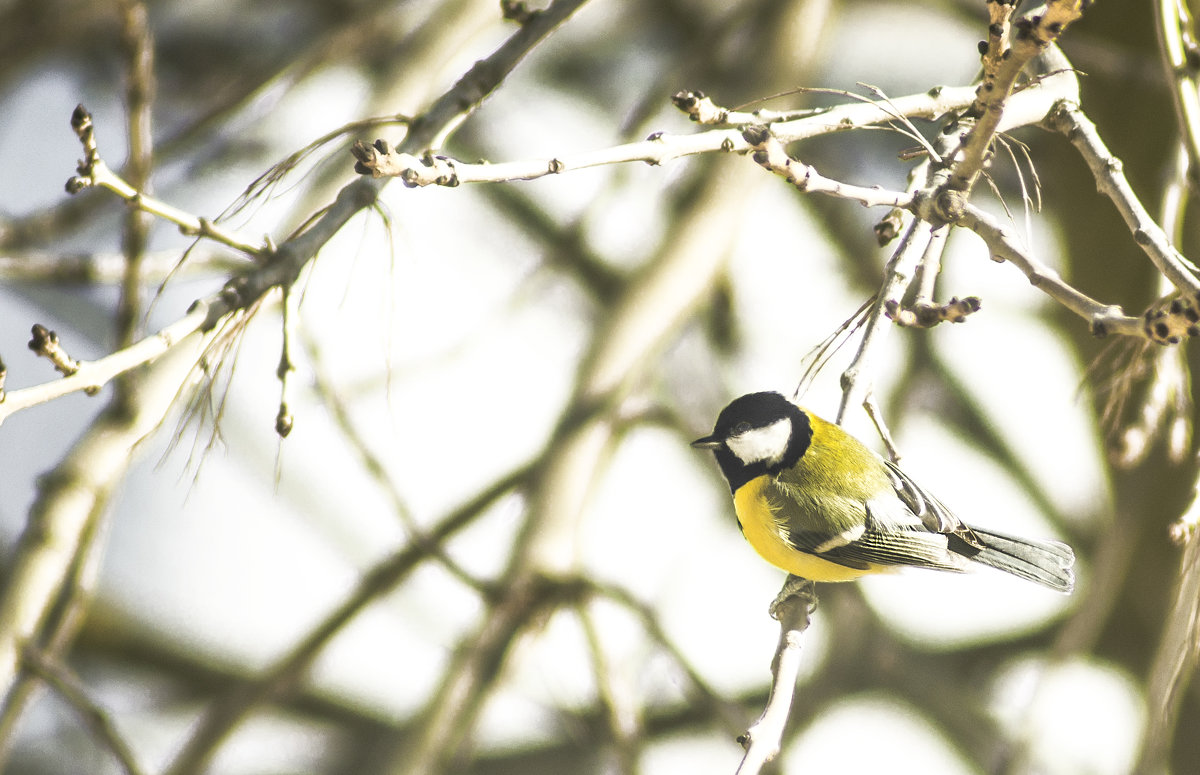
856	379
620	714
770	154
1003	245
92	375
94	172
763	739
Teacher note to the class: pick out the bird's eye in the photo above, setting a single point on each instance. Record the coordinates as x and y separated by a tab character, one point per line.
741	428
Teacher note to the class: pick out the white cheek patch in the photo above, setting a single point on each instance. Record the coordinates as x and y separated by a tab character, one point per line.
762	445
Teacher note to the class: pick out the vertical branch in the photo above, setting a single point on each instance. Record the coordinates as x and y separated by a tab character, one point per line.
1003	64
856	382
1181	60
1176	658
138	43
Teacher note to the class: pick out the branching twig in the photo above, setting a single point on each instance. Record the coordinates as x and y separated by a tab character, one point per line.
93	172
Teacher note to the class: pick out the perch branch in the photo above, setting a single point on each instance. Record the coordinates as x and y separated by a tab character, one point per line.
764	738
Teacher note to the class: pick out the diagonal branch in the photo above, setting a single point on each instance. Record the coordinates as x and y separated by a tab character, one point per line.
1033	34
1070	120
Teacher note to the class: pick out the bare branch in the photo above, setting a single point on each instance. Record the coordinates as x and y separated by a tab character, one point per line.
793	609
224	715
770	154
1002	65
92	172
90	376
1070	120
1004	246
856	379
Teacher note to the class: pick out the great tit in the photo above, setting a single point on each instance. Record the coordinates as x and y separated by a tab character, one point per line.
813	500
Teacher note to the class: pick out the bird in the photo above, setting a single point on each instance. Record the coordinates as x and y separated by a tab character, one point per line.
818	503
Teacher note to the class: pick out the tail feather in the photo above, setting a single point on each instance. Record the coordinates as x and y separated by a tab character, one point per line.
1048	563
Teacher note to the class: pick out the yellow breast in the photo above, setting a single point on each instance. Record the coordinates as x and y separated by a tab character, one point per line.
768	536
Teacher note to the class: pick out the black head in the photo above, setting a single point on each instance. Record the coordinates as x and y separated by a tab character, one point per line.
759	433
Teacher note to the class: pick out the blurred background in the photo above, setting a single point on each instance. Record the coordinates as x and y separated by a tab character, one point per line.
445	567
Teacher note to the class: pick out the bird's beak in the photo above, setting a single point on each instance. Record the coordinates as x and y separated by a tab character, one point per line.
708	442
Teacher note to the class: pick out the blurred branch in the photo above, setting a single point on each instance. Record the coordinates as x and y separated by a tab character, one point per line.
1178	649
621	714
108	268
224	715
139	96
374	465
726	712
622	351
82	482
97	720
1181	61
